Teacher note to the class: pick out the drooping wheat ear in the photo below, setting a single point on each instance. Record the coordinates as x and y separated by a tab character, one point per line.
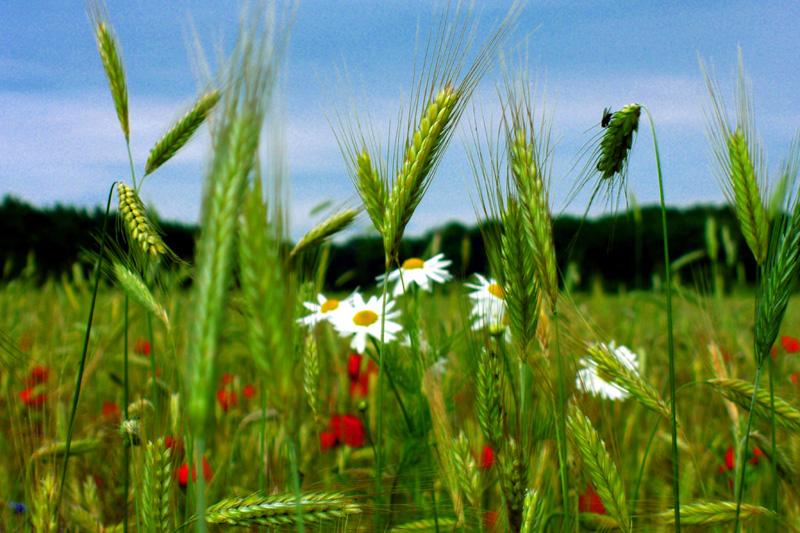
311	373
57	450
140	230
157	487
601	468
533	513
422	152
714	513
329	227
612	370
785	463
521	286
45	515
466	470
372	190
134	286
781	267
491	415
428	525
617	141
741	393
526	166
750	210
513	480
282	510
111	57
181	131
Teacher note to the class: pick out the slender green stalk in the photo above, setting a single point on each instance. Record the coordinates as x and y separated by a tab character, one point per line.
641	468
670	339
379	429
403	410
561	434
82	364
200	486
739	488
125	402
153	371
774	446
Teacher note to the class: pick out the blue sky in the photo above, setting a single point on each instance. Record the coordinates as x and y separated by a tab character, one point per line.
60	140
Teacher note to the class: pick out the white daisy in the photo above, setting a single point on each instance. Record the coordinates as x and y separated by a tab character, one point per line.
362	319
489	305
421	272
590	381
326	309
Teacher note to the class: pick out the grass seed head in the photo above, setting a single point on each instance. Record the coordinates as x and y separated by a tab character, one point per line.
140	230
617	141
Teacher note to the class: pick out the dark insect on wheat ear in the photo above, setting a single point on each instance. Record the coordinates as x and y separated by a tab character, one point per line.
606	117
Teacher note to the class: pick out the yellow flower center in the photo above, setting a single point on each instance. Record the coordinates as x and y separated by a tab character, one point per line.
496	290
365	318
329	305
414	262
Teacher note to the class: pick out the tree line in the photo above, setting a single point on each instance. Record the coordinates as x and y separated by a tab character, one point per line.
620	250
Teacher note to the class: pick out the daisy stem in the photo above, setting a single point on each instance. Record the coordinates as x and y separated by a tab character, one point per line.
670	340
82	364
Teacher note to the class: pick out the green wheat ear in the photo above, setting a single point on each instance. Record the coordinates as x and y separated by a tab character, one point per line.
111	57
139	228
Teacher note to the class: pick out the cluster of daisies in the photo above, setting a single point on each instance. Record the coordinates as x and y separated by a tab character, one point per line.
358	319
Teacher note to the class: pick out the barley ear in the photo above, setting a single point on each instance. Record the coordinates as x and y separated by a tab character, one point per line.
157	487
491	415
612	370
780	269
599	465
311	373
140	230
428	525
466	470
513	480
741	393
331	226
786	465
181	131
533	513
371	189
740	168
111	57
134	286
423	150
711	514
282	510
617	141
521	286
45	514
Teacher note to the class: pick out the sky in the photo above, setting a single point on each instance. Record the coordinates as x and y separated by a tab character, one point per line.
60	141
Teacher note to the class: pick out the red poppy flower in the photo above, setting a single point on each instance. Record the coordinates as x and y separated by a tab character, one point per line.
110	410
354	366
38	375
790	344
490	519
227	379
226	399
794	378
142	346
730	459
590	501
183	473
352	431
175	444
30	398
487	458
249	391
757	455
327	440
